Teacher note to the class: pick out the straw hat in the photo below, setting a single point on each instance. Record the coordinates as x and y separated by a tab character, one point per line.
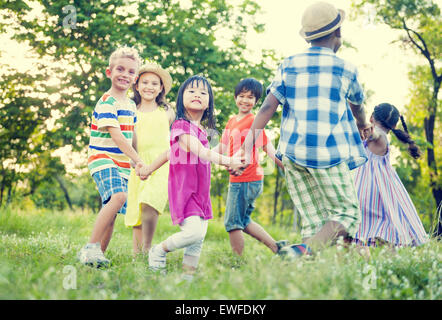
320	19
165	77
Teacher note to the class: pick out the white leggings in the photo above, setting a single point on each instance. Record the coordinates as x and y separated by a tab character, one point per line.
191	237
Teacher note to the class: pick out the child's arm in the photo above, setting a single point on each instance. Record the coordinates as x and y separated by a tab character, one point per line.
271	153
361	120
134	145
265	113
123	145
220	148
134	141
171	115
144	171
192	144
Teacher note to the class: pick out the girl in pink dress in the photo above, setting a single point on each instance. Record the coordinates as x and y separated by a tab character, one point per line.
189	174
388	214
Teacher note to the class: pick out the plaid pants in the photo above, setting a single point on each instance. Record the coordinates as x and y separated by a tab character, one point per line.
322	195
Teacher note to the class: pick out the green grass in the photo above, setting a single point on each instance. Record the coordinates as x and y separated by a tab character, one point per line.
38	252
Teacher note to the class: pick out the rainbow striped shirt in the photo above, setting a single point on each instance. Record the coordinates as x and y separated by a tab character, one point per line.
103	153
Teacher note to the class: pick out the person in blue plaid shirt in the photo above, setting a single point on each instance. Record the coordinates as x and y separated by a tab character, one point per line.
321	127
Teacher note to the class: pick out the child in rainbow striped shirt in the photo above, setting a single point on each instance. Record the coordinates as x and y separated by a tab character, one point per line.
111	150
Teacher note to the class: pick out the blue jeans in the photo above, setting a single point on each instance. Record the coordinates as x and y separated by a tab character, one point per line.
240	204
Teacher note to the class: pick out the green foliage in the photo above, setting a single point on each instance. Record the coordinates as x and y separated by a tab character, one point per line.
74	42
84	193
38	252
49	196
182	40
415	174
24	136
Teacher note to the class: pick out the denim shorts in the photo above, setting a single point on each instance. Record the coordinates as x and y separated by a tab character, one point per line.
109	181
240	204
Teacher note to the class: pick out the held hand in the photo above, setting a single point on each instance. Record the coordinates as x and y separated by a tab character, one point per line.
237	166
246	159
365	130
142	171
236	161
236	172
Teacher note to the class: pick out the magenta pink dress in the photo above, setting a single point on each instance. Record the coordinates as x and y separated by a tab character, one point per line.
189	176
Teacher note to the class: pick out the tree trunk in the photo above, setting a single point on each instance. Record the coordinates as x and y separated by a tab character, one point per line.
2	189
218	191
282	209
8	200
65	191
431	158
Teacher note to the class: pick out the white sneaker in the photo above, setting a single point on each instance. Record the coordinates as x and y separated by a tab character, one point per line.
91	255
157	259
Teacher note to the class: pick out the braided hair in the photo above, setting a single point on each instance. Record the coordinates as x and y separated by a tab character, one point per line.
388	116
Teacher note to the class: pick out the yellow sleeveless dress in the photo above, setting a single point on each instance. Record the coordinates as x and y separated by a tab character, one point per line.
152	140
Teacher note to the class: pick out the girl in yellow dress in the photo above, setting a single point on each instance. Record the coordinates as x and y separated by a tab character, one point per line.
147	199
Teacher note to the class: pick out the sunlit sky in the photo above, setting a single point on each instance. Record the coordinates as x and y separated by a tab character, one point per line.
382	65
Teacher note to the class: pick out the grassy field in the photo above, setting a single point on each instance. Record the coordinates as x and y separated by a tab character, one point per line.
38	261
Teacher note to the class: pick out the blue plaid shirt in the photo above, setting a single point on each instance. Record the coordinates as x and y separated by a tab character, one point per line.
317	126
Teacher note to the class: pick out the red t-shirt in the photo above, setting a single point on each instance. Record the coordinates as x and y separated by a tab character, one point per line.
233	137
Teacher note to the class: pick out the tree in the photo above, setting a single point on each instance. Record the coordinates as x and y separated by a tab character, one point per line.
421	22
75	39
24	110
181	39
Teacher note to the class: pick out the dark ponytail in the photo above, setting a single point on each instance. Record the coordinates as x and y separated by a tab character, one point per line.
387	115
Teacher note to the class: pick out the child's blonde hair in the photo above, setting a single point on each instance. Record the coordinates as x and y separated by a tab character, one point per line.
124	52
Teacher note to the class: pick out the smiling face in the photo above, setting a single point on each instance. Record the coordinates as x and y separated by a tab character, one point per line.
196	97
245	101
149	86
122	73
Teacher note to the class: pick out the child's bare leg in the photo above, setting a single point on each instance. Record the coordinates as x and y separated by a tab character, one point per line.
149	218
103	227
327	235
236	241
256	231
137	239
107	235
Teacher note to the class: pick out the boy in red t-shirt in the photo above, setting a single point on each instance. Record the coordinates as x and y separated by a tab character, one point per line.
245	188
